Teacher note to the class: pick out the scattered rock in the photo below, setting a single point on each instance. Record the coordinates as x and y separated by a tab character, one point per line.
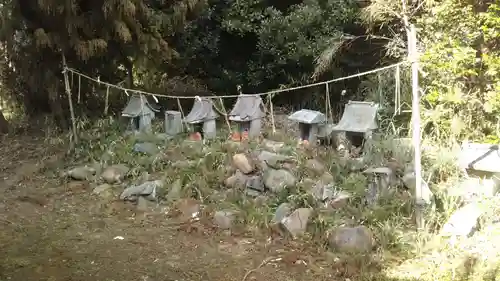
308	183
243	163
81	173
175	192
315	166
145	176
463	222
352	239
255	182
146	148
163	137
339	200
278	180
475	188
260	200
283	210
383	177
322	192
115	173
272	160
238	180
296	222
224	219
252	192
289	166
409	181
273	146
147	189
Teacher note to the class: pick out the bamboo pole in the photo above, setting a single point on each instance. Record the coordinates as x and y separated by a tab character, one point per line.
79	88
328	110
225	113
413	58
106	102
70	101
273	125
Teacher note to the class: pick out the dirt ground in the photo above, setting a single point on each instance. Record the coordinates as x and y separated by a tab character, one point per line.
51	230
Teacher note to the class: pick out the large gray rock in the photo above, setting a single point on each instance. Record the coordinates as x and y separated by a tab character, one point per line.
463	222
255	182
238	180
352	239
315	166
339	200
147	189
224	219
278	180
475	188
273	146
272	160
409	181
146	148
81	173
283	210
114	173
296	222
243	163
322	192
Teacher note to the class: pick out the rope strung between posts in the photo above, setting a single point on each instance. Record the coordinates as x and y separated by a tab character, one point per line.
79	88
126	90
270	98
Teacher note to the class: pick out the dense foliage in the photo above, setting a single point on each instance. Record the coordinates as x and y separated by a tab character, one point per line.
195	47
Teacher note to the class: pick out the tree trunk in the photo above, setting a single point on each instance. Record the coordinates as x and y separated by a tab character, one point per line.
56	107
130	72
4	125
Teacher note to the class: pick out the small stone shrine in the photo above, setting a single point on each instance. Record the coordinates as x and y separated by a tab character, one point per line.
358	121
309	124
202	119
247	113
141	113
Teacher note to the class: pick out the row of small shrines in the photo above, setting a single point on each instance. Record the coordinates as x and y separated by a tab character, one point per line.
247	114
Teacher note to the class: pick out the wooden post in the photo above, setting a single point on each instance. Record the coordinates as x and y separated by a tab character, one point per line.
68	92
413	57
106	102
329	111
271	107
225	113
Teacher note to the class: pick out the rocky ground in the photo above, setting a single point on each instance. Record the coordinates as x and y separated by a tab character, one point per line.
146	208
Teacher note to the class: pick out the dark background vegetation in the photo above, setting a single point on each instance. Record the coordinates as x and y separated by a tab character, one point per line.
208	47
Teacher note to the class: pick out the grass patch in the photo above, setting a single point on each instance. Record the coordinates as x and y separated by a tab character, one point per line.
401	254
